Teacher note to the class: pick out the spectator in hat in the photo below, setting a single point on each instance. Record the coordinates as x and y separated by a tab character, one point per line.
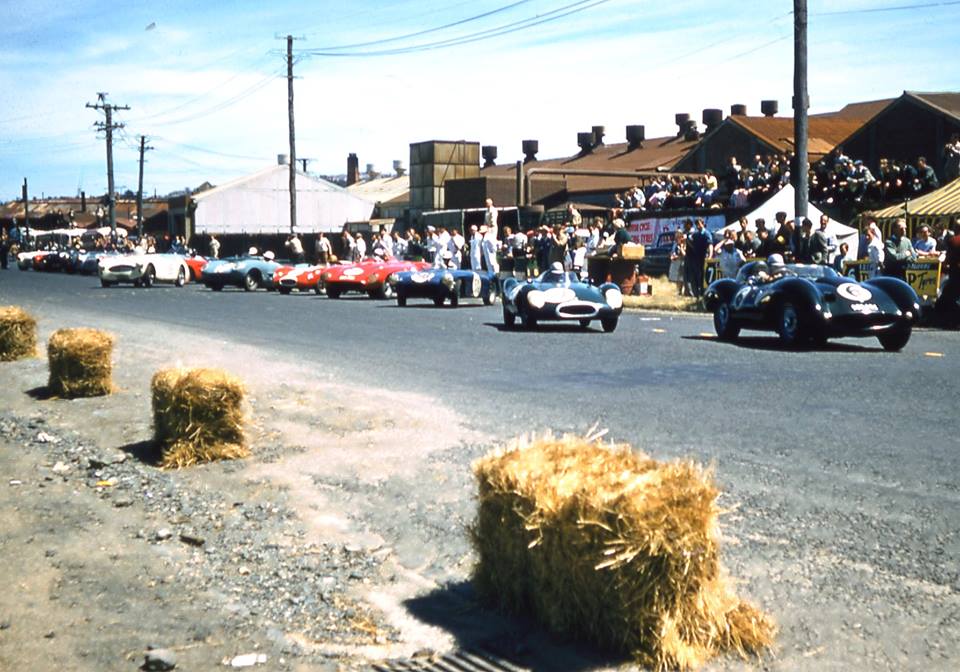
730	259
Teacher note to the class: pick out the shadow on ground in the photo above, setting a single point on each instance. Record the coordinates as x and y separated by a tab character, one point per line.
550	328
41	393
456	609
148	452
773	343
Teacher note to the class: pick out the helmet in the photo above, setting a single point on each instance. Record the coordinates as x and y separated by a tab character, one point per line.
775	263
268	255
252	251
556	267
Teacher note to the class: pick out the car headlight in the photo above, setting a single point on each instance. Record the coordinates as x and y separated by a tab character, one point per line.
614	298
447	280
393	279
536	298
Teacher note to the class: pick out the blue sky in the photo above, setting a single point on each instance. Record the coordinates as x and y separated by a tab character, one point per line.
206	81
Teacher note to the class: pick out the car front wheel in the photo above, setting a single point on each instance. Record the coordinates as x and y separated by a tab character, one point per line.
788	325
529	321
250	282
509	319
181	277
147	280
727	329
490	296
896	338
609	323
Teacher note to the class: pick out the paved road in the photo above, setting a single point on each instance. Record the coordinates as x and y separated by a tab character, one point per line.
843	462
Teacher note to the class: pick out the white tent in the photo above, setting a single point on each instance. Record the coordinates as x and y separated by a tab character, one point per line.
782	201
260	203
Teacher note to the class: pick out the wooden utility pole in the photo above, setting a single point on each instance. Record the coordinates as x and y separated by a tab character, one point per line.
109	127
26	214
801	101
143	148
293	145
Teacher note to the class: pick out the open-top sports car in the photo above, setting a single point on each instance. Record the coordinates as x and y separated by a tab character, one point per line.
195	262
443	284
561	295
249	271
810	303
143	269
302	277
369	276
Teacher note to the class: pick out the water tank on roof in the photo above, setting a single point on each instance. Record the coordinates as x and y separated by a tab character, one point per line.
769	107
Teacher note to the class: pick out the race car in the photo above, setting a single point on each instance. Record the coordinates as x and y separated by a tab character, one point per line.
302	277
143	269
249	271
369	276
442	284
810	303
32	259
195	263
561	295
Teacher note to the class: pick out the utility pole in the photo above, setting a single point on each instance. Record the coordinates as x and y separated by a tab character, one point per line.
26	214
109	127
293	147
801	101
143	148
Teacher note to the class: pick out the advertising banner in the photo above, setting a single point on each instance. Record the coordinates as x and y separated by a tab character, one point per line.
924	276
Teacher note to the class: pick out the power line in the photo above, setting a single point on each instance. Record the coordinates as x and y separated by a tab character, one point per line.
523	24
897	8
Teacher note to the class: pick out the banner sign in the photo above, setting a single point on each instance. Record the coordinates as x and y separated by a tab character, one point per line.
646	229
924	277
859	270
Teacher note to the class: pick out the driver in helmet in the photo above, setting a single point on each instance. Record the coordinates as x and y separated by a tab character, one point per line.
776	269
556	273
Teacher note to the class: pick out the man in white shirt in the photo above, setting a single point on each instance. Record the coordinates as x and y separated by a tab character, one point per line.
455	247
490	241
360	251
476	248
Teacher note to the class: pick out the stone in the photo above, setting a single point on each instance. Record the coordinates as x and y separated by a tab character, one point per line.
192	539
163	533
248	660
60	468
159	660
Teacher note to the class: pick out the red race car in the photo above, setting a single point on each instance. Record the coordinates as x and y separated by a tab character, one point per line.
303	278
368	276
195	263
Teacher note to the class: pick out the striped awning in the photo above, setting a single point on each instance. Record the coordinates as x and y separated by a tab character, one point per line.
943	202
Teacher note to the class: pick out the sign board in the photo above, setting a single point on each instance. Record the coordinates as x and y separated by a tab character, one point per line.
924	276
646	229
711	271
859	270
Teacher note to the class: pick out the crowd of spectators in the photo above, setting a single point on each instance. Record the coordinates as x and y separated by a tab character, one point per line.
840	180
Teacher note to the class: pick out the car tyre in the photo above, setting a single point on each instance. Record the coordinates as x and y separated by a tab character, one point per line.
318	288
727	329
401	299
217	287
105	283
250	282
529	321
509	319
609	324
490	297
454	300
585	323
896	338
439	300
387	291
181	277
284	290
148	277
333	293
789	326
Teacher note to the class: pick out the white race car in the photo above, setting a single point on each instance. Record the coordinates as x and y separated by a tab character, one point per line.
143	269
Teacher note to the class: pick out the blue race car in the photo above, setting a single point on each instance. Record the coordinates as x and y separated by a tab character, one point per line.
809	303
442	284
561	295
250	271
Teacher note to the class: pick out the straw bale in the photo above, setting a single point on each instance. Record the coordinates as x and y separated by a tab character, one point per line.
610	546
80	362
197	416
18	334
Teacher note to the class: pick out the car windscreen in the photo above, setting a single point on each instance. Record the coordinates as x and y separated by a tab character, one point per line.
553	277
812	271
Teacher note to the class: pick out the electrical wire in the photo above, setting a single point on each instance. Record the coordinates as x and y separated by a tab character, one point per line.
897	8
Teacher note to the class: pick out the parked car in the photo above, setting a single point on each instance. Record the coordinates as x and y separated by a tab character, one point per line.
656	258
441	285
143	270
811	303
369	276
250	271
302	277
561	295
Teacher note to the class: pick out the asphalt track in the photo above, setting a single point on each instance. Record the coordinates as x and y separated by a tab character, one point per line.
842	462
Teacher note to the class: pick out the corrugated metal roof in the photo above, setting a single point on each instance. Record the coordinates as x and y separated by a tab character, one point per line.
863	111
825	132
944	201
948	103
655	154
383	189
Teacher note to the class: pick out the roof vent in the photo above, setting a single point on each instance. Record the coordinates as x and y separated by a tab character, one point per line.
635	136
712	118
769	107
738	110
585	142
598	133
489	153
530	149
398	168
689	130
283	159
681	119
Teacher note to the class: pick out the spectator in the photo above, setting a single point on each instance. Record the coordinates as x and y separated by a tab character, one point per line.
698	249
730	259
490	238
214	247
926	179
947	307
925	245
898	250
676	271
951	158
295	248
875	253
573	217
802	252
822	245
324	250
841	255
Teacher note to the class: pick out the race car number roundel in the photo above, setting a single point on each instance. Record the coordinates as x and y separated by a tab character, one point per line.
854	292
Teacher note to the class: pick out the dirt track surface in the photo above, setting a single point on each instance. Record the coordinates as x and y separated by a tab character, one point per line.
342	540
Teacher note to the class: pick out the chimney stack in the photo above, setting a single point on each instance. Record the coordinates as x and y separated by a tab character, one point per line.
585	142
398	168
712	118
353	169
769	107
598	133
738	110
489	153
530	149
681	119
689	130
635	136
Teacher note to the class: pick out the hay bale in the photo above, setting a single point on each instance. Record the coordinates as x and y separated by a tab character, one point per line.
18	334
80	363
612	547
197	416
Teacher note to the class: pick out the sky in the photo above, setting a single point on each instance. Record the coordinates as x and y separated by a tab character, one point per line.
206	82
